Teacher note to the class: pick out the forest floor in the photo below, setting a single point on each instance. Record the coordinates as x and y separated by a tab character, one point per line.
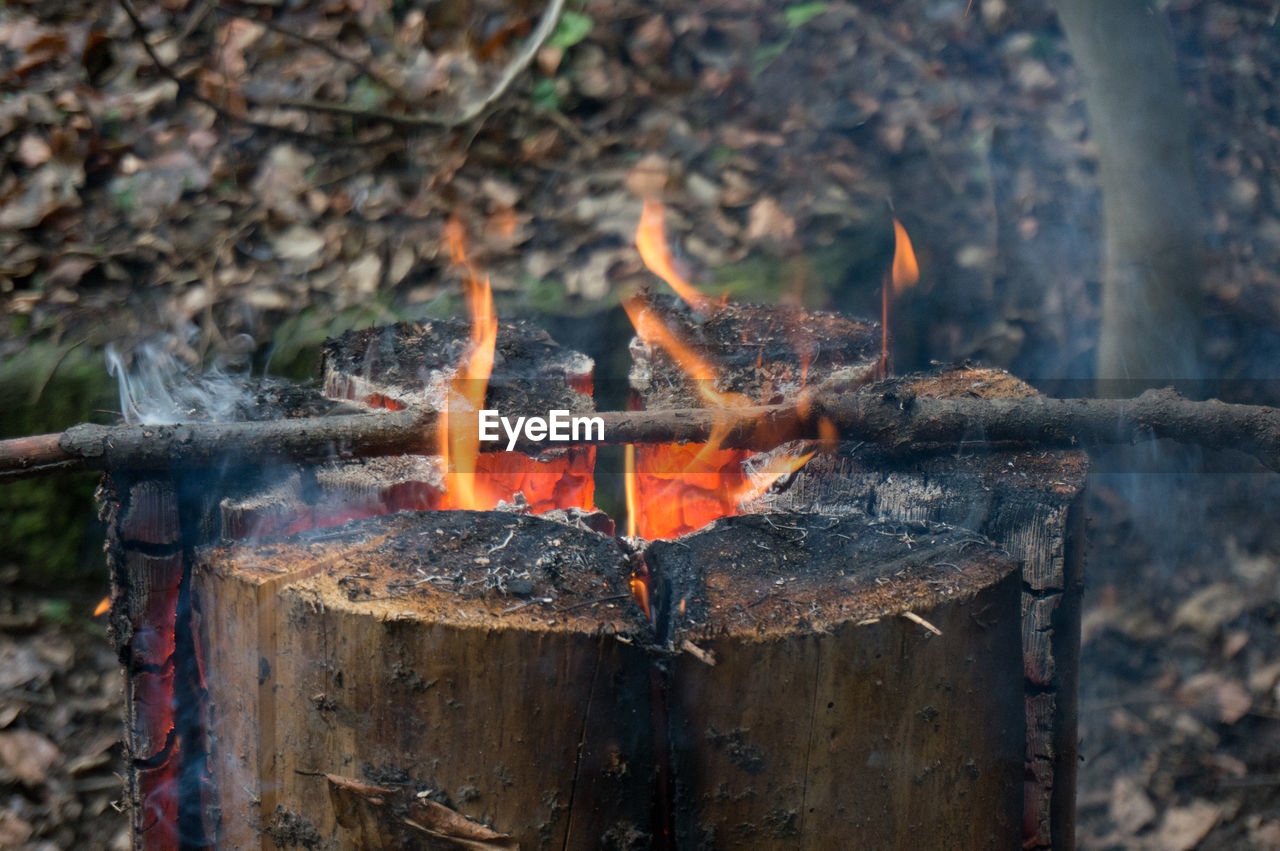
783	137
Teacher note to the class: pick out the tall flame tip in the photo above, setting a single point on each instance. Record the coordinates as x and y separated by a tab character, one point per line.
656	254
906	271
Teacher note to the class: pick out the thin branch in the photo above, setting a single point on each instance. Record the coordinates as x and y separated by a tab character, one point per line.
895	425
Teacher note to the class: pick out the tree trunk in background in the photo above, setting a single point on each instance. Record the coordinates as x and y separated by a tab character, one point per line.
1151	251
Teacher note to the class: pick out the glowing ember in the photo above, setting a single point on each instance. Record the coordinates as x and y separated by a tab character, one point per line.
639	587
657	256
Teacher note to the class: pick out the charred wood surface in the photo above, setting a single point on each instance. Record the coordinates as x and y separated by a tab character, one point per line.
409	365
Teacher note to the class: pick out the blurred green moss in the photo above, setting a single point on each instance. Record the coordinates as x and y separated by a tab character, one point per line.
49	525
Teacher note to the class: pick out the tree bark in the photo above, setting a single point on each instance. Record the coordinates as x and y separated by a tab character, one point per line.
1151	251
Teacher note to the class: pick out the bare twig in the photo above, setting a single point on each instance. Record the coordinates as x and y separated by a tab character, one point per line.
895	425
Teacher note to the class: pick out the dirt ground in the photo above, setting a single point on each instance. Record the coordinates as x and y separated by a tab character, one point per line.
265	176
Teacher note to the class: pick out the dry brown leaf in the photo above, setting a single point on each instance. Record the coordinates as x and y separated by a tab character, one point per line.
1264	679
1131	808
298	243
505	228
96	755
651	43
364	275
265	299
1225	700
1234	642
20	665
738	189
26	756
44	48
237	35
8	714
549	58
591	279
1266	835
1184	827
281	182
53	187
501	192
1213	606
442	822
14	832
374	814
401	263
767	221
648	177
33	150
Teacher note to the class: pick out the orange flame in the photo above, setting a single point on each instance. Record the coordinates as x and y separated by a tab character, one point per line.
656	255
639	587
906	272
828	435
653	331
677	488
103	606
902	275
629	482
761	479
459	432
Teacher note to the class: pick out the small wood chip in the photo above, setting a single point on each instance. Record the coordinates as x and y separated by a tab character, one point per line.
704	656
914	618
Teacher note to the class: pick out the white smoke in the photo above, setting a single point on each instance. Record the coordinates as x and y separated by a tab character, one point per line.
160	386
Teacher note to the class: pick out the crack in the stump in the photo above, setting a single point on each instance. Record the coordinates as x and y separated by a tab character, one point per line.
582	740
813	714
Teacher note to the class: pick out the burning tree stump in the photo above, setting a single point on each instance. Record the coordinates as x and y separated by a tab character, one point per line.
1028	502
491	661
497	662
846	684
838	663
153	524
736	353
